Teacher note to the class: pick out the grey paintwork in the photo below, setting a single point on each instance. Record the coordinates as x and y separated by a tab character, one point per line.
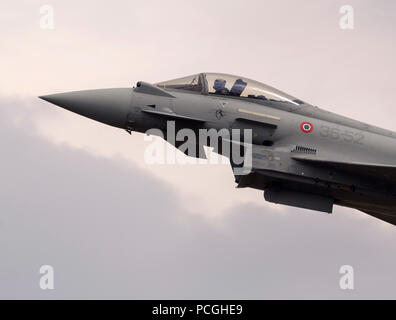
342	161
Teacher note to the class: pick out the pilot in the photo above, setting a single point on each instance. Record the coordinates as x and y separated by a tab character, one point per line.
238	88
219	86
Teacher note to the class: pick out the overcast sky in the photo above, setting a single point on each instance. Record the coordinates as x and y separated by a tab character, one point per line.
77	195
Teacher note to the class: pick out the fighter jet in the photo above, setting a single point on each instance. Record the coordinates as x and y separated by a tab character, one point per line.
299	155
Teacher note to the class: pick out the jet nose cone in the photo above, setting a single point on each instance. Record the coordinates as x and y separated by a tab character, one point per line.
48	98
109	106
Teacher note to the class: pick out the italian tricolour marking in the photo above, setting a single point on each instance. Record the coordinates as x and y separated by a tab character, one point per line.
306	127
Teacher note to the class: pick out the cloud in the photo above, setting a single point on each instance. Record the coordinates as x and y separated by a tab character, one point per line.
111	230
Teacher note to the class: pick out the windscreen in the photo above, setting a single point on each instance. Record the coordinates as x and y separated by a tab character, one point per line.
190	83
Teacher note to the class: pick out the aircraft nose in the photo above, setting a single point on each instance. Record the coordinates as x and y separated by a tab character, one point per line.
109	106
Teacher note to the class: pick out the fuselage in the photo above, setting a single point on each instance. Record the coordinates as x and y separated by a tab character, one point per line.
287	134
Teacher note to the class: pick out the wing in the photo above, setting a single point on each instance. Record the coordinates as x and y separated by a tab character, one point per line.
375	170
382	216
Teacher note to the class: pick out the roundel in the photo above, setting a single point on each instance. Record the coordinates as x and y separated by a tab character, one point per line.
306	127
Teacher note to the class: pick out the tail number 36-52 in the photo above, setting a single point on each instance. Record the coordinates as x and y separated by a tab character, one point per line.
343	135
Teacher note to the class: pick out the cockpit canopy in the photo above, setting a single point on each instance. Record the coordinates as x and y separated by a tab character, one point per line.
229	85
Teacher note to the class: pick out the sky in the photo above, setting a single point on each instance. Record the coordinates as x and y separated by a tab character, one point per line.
77	195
